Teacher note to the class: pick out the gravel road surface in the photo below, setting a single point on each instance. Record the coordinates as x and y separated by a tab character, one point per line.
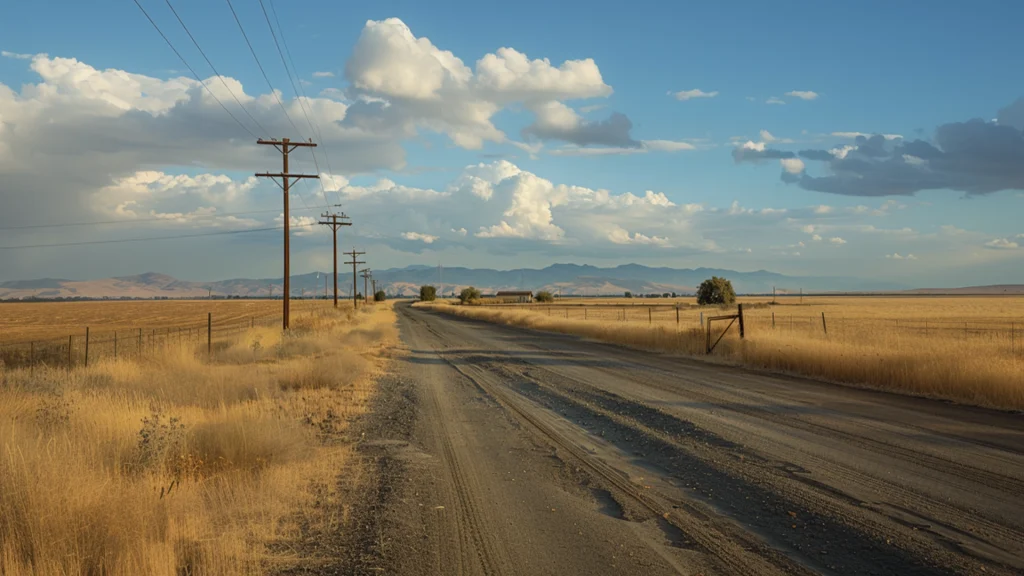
517	452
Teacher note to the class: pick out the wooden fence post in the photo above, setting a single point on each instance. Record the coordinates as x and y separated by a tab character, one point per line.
649	321
739	308
86	346
701	318
209	334
71	342
677	316
823	325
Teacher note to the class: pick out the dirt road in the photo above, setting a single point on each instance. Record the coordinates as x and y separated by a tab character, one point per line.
516	452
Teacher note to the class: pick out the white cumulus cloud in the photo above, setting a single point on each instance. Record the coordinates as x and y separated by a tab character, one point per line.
691	94
803	94
416	236
1002	244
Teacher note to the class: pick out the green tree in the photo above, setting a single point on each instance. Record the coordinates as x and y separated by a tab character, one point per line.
468	295
715	290
379	296
428	293
629	294
544	296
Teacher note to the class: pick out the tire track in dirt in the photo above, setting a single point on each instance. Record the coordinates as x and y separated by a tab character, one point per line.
949	531
476	535
732	552
812	496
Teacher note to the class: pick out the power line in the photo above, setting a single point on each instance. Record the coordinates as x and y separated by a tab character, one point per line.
214	68
189	66
123	240
139	220
319	134
295	89
262	71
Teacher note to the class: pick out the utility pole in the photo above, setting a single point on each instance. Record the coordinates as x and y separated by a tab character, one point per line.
374	282
365	273
335	221
355	287
284	146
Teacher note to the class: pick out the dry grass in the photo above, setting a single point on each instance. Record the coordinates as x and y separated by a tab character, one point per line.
968	350
179	465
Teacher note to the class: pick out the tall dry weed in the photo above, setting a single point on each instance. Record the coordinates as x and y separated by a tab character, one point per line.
179	463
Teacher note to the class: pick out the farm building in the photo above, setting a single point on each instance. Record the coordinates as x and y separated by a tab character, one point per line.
514	297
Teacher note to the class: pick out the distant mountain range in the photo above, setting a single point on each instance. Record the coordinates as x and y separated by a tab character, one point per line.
567	279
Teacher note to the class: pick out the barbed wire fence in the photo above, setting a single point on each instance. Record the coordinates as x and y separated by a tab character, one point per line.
995	330
89	345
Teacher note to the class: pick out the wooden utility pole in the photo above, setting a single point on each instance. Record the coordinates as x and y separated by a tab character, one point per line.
335	221
374	282
355	286
284	146
365	273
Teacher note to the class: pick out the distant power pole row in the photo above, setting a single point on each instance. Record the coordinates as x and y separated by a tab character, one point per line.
366	277
355	286
334	220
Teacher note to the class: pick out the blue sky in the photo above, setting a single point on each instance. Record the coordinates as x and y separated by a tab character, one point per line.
506	169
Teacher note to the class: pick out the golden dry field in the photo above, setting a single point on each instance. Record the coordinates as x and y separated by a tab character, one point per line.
26	321
179	462
966	349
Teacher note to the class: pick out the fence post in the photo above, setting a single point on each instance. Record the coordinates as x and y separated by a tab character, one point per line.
739	307
209	334
86	346
32	357
71	342
677	316
701	318
140	342
649	321
115	344
823	325
773	320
